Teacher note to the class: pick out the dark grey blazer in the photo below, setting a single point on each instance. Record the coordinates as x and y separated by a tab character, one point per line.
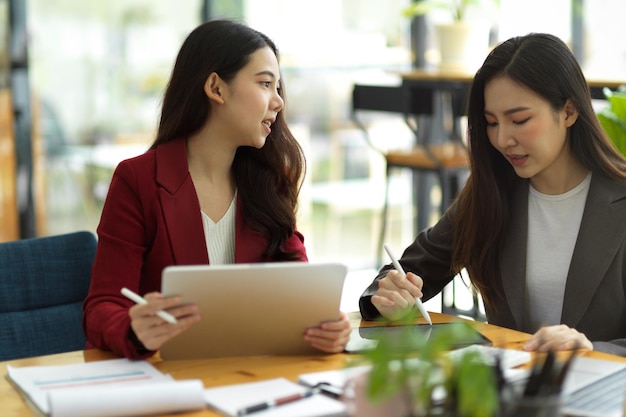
595	292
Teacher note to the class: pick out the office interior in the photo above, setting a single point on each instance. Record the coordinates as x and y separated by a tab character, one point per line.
81	84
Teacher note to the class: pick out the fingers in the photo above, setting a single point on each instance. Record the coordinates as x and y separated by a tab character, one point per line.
331	337
394	308
151	330
410	286
559	337
396	294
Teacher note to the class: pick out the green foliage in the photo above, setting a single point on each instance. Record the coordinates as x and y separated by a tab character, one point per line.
475	383
417	364
456	7
613	118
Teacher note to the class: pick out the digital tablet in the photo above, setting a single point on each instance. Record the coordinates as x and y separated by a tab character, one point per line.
253	309
366	338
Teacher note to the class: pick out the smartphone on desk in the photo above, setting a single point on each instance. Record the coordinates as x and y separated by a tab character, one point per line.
366	338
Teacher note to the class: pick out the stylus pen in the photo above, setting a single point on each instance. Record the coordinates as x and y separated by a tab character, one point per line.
418	302
140	300
276	402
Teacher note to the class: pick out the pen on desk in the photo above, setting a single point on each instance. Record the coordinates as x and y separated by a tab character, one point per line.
276	402
140	300
398	267
329	390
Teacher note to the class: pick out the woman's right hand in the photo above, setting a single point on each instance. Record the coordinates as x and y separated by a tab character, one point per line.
151	330
396	294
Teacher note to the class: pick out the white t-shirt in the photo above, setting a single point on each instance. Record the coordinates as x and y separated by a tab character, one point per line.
553	224
220	236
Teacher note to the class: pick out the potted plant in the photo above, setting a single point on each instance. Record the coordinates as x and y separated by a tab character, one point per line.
457	8
413	375
462	42
613	117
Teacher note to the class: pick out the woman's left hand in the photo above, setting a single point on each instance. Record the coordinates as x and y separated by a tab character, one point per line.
559	337
330	336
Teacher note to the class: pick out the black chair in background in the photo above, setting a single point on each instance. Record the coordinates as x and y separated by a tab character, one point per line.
445	158
437	154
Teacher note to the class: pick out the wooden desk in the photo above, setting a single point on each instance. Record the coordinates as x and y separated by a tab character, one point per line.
216	372
448	79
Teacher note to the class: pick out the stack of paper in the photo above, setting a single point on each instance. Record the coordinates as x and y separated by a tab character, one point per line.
110	388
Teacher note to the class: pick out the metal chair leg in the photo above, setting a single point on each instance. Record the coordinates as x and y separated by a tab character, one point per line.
383	223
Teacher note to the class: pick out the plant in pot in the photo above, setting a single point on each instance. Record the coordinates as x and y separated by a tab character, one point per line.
613	117
463	42
413	375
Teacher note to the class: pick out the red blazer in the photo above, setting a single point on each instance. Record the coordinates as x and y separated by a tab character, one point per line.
151	219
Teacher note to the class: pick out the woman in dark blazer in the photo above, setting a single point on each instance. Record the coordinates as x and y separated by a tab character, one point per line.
220	184
540	225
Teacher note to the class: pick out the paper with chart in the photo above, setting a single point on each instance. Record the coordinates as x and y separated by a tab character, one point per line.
106	388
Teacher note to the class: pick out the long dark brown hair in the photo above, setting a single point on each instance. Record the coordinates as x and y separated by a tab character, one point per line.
544	64
268	179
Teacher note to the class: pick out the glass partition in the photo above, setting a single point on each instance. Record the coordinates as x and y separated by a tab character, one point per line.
98	70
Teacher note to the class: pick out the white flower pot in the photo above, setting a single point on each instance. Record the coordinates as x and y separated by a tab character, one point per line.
462	46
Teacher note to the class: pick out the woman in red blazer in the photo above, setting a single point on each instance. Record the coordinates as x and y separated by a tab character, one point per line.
219	185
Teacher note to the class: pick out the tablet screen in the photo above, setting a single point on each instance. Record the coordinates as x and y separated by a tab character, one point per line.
366	338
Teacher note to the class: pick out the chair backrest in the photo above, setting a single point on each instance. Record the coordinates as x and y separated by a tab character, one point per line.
416	104
392	98
43	282
407	101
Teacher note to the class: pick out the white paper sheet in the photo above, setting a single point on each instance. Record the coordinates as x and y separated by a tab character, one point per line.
104	386
336	378
231	398
138	400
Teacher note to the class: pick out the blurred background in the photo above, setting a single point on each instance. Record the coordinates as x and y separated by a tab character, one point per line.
90	76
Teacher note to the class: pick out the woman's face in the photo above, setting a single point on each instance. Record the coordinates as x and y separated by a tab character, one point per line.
252	101
530	134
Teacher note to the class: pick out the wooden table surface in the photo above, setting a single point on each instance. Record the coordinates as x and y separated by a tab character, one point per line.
450	79
224	371
436	75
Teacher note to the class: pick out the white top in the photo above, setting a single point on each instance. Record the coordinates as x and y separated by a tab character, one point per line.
553	224
220	236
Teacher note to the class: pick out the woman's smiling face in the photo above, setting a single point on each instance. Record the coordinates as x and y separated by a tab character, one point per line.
529	133
252	99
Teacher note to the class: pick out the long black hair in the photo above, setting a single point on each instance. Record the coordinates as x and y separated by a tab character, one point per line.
544	64
268	179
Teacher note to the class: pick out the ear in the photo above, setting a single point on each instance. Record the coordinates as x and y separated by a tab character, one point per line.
214	88
571	113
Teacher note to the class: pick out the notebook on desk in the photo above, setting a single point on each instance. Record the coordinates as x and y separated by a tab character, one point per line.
253	309
594	388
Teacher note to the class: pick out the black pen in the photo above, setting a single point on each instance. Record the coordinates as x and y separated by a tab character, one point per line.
546	377
277	402
541	376
560	378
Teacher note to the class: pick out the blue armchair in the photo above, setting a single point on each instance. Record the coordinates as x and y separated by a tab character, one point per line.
43	282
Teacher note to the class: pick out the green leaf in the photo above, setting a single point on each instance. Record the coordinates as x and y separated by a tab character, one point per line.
618	105
456	7
613	118
476	391
420	366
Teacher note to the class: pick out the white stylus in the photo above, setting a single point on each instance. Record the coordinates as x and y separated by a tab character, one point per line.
140	300
398	267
